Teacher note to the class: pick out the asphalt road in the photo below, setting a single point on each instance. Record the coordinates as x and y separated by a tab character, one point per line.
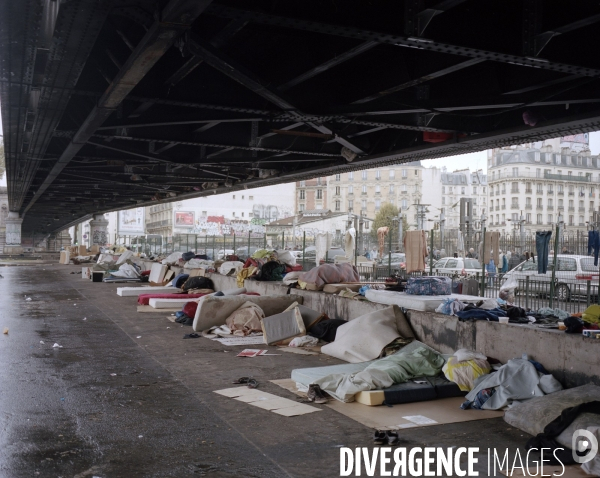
126	396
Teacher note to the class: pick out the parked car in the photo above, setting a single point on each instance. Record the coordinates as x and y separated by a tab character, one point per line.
571	276
243	254
452	265
398	263
224	253
310	254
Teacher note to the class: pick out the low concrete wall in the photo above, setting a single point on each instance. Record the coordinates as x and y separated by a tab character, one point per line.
571	358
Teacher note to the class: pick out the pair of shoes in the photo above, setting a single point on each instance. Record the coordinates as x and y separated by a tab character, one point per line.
251	382
315	394
389	437
191	336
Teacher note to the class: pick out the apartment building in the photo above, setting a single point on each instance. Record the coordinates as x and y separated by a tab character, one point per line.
311	195
543	183
363	192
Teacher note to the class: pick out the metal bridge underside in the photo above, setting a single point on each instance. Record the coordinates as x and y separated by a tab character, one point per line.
110	104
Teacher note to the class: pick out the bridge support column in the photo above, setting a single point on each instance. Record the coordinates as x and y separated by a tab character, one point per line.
99	230
13	234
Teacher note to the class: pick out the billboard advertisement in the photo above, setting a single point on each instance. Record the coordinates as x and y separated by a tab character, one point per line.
184	219
576	138
131	221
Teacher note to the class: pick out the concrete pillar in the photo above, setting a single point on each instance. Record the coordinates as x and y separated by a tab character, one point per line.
99	230
13	234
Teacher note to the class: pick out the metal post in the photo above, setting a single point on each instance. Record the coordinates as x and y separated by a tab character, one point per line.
555	265
282	240
249	244
355	240
213	254
527	292
265	241
234	242
588	292
303	248
390	253
483	265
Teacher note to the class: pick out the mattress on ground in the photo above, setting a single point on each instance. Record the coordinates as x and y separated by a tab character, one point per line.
137	291
421	389
145	299
306	376
424	303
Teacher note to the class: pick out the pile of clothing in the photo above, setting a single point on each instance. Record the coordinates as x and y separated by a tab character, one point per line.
266	265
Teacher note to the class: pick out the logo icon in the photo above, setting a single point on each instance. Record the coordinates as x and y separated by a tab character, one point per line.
583	441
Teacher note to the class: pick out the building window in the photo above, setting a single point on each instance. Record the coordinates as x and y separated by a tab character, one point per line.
514	217
364	189
515	203
404	204
364	175
338	177
571	220
251	198
302	194
350	176
350	205
560	189
539	203
377	204
233	214
443	189
550	203
514	187
318	181
377	189
560	203
234	196
405	173
549	218
474	189
363	204
443	200
392	173
250	214
462	190
538	173
319	194
539	219
391	189
242	214
581	222
528	218
302	184
416	172
403	188
204	213
483	189
378	174
539	188
337	190
527	202
503	203
503	218
337	205
515	172
350	189
301	207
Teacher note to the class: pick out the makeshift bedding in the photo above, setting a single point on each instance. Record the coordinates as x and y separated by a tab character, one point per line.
383	373
364	338
514	382
330	274
145	298
424	303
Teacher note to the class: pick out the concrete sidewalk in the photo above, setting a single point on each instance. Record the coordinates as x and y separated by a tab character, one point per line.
66	414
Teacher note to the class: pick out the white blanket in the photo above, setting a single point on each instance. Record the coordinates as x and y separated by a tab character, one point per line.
363	338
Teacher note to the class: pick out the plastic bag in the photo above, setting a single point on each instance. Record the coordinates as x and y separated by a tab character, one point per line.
465	373
510	284
462	355
304	341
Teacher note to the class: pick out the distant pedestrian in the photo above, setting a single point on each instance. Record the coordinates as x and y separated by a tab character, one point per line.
491	270
471	253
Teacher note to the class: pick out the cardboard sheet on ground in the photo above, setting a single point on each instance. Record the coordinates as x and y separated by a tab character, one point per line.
267	401
446	410
147	308
234	340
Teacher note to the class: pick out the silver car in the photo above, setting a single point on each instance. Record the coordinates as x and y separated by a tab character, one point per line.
452	265
572	274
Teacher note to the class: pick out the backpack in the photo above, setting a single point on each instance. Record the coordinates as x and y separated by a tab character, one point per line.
198	283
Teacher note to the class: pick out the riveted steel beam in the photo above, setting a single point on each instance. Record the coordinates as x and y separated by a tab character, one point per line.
175	18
